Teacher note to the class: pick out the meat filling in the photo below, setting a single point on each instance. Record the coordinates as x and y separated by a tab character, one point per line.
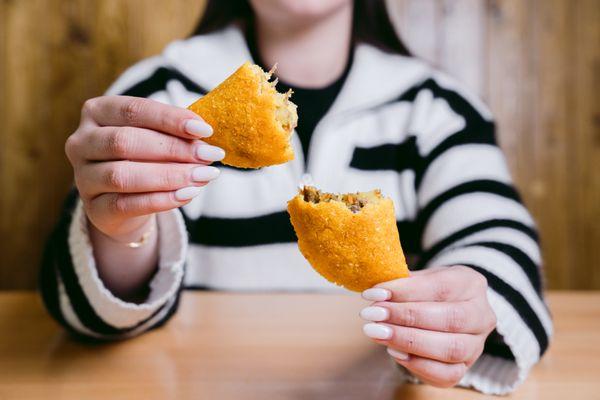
354	201
285	112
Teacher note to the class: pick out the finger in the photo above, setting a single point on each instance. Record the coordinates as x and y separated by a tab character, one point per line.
138	177
434	372
425	271
145	113
453	317
140	144
447	284
127	205
441	346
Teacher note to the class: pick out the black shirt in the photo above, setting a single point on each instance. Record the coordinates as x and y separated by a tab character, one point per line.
312	104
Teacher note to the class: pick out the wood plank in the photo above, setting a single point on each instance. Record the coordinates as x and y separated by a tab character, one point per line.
461	42
535	62
24	188
584	179
61	53
552	140
263	346
510	83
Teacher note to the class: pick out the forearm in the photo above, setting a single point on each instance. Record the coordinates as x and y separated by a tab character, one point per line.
124	270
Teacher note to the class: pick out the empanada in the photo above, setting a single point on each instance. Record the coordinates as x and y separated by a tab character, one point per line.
251	121
351	239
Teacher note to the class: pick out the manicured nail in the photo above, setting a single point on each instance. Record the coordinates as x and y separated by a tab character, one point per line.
204	174
377	331
377	294
375	313
187	193
207	152
198	128
399	355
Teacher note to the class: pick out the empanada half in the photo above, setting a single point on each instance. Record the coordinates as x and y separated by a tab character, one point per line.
350	239
251	121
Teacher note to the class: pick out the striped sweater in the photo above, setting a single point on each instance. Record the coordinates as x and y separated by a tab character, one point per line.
397	125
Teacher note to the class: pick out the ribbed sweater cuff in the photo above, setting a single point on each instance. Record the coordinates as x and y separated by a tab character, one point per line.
163	287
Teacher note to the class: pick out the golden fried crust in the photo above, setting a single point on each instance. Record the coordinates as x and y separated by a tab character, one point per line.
241	111
354	250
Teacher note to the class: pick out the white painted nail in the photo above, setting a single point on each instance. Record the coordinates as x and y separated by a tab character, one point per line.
399	355
377	294
377	331
187	193
198	128
207	152
375	313
204	174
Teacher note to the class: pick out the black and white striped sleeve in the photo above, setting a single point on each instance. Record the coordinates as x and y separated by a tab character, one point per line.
469	213
77	298
71	288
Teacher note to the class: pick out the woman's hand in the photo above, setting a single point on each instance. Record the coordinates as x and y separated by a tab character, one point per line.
434	323
133	157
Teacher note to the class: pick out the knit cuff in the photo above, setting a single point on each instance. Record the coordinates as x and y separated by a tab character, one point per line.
163	286
495	375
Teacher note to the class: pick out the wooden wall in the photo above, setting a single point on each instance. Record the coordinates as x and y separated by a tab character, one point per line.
535	62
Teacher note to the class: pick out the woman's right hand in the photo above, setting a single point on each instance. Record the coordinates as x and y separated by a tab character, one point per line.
134	157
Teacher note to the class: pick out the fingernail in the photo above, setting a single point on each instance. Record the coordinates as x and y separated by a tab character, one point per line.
375	313
198	127
187	193
203	174
377	294
397	354
207	152
377	331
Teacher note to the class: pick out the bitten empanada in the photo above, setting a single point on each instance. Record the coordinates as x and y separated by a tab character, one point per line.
350	239
251	121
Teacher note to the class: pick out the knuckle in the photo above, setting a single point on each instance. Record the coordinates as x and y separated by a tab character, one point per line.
132	110
165	119
118	142
81	186
456	374
89	106
408	316
172	149
451	376
456	350
151	203
117	204
491	321
173	178
456	319
461	268
160	202
115	178
442	290
71	145
480	281
475	278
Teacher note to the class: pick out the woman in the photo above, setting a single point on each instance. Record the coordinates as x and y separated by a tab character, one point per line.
370	116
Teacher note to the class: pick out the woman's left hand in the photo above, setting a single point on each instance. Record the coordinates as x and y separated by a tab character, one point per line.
434	322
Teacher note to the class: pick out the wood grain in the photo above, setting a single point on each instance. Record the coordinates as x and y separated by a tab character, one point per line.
259	346
585	157
535	62
56	54
463	21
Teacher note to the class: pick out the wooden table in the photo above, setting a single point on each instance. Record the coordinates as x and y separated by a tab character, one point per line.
261	346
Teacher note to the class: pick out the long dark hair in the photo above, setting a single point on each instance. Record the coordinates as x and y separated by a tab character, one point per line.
371	22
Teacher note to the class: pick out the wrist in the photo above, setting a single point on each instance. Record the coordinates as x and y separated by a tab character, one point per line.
138	230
